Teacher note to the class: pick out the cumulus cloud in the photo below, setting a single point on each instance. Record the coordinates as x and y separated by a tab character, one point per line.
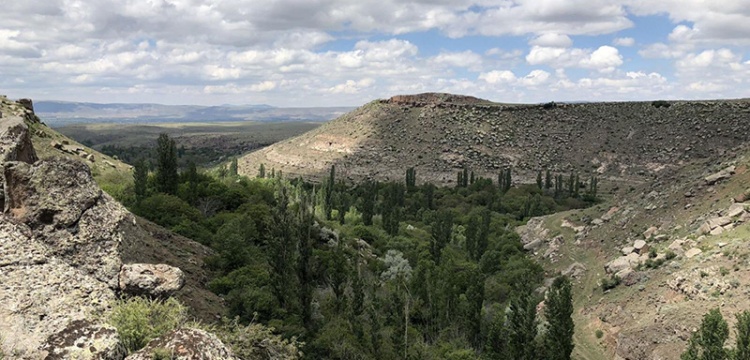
624	41
604	59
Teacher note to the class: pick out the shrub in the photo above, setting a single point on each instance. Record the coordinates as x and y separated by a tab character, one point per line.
258	342
139	320
723	271
661	103
599	333
670	255
162	354
652	253
610	283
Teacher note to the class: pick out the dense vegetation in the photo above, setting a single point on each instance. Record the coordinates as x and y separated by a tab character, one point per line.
373	270
708	342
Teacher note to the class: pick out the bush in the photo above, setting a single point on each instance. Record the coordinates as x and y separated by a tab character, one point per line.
670	255
610	283
258	342
599	334
652	253
661	103
139	320
162	354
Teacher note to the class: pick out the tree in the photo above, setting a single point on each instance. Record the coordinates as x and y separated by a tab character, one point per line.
140	180
234	168
742	351
708	342
465	179
547	180
262	171
558	341
539	183
411	179
441	229
167	179
368	202
328	204
522	324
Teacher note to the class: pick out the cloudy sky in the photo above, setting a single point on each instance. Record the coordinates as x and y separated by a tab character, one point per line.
348	52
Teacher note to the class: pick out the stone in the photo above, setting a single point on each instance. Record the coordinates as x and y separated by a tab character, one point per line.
597	222
533	245
650	232
736	209
28	104
676	246
186	344
693	252
721	175
717	231
629	277
744	196
575	270
60	201
719	221
15	145
156	280
640	247
84	340
627	250
704	229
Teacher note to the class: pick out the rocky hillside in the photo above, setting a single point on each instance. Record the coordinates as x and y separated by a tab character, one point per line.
678	247
439	134
68	251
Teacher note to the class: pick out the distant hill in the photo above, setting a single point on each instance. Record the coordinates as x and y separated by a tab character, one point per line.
439	134
60	113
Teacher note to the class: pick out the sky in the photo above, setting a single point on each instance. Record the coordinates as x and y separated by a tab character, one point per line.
300	53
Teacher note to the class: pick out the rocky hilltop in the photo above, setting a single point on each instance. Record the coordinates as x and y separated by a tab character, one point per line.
439	134
68	251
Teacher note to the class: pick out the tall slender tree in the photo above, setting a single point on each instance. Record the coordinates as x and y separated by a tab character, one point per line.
166	165
558	311
140	180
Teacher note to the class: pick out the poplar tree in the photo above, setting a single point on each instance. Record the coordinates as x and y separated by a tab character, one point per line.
166	165
140	180
558	310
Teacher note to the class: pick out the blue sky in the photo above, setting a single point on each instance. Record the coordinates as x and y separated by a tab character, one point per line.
345	52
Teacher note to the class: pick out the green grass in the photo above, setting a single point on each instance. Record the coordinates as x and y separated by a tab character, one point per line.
139	320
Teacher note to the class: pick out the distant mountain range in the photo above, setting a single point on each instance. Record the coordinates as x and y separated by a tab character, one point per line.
60	113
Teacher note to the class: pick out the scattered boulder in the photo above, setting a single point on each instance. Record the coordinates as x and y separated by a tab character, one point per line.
693	253
745	196
640	247
15	145
736	209
84	340
725	173
156	280
575	270
719	222
186	344
650	232
627	250
533	245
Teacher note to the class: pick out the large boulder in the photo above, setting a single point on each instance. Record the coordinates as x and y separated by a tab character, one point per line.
15	145
39	293
186	344
84	340
155	280
59	200
725	173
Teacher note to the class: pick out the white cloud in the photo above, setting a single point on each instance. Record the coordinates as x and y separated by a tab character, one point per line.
604	59
552	40
465	59
498	77
624	41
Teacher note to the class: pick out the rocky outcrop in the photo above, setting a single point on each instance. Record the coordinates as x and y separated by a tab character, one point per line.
63	242
154	280
59	200
186	344
84	340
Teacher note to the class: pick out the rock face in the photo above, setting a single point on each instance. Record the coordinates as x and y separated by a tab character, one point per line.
155	280
59	200
63	242
85	341
186	344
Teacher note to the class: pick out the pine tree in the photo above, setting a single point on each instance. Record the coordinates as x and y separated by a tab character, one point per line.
576	187
558	341
411	179
460	179
471	178
305	275
465	182
167	179
547	180
571	183
508	180
140	180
